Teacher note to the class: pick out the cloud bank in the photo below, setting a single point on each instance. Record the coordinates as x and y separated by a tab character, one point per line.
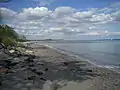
63	21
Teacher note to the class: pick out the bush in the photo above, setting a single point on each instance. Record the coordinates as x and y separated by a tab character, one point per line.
9	42
9	37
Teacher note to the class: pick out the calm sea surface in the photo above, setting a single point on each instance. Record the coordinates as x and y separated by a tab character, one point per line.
101	53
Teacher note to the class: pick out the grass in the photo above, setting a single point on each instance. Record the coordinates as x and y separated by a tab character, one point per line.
9	37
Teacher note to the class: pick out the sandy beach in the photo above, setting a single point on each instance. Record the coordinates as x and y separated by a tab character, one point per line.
53	70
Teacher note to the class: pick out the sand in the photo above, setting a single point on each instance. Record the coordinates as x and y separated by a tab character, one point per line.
54	70
106	80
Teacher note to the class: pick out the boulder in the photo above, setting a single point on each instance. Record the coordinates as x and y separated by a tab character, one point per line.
3	56
2	46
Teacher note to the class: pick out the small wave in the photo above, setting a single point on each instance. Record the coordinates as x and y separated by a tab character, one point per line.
109	66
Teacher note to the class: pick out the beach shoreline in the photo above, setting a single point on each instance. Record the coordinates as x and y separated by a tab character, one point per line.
50	69
100	70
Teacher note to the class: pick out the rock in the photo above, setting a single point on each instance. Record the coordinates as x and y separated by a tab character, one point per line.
11	51
89	71
2	46
29	52
5	63
39	73
3	70
29	60
3	56
0	83
31	65
65	63
46	69
31	78
33	70
13	63
43	79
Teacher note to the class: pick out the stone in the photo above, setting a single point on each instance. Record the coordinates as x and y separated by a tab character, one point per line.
29	59
0	83
3	56
3	70
33	69
65	63
31	65
43	79
39	73
29	52
46	69
2	46
11	51
31	77
89	71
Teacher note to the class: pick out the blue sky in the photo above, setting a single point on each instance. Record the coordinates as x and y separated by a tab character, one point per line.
65	19
78	4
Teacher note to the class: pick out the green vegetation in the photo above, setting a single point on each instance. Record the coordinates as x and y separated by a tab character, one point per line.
8	36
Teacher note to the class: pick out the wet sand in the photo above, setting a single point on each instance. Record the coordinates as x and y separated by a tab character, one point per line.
53	70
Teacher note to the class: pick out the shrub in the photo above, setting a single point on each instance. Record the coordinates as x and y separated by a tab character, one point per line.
9	41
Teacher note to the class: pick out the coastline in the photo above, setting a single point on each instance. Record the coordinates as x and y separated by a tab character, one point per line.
80	58
101	80
50	69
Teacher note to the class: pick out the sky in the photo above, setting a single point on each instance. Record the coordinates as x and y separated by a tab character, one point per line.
63	19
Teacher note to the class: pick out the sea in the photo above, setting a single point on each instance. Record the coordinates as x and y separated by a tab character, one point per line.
101	53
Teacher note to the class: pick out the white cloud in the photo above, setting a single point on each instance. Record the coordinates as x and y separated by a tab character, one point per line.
64	20
102	18
84	14
34	13
7	13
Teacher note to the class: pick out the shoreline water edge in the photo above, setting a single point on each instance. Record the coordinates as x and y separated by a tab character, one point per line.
47	68
80	58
